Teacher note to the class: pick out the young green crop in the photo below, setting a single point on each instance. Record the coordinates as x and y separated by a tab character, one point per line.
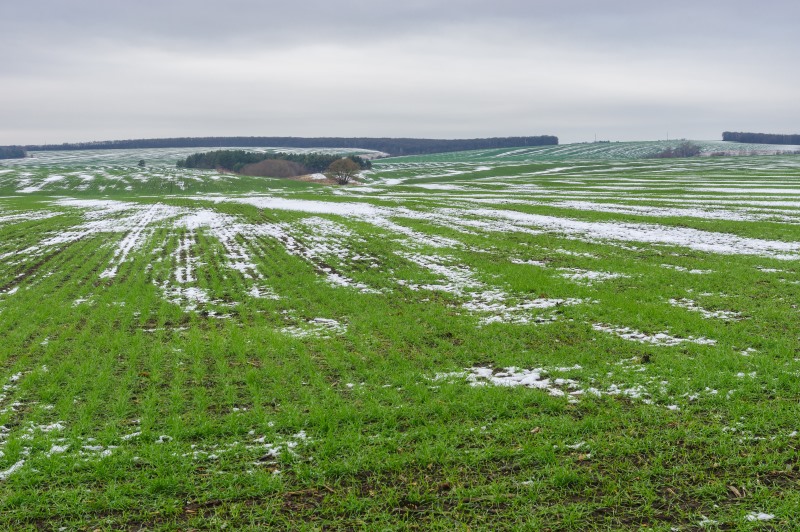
566	337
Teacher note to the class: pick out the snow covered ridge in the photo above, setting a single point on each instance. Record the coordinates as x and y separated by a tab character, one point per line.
740	214
378	216
712	242
138	222
322	242
495	220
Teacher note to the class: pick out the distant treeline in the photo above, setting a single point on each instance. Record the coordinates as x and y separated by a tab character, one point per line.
392	146
265	164
761	138
12	152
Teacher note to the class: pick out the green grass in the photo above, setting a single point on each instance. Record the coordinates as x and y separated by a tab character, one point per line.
154	386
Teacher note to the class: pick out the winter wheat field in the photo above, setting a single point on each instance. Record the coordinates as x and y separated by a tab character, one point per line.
567	337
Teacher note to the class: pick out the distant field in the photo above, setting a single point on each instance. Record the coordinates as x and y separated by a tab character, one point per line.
565	337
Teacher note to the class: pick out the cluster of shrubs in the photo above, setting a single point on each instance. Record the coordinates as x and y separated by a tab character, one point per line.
266	164
684	149
12	152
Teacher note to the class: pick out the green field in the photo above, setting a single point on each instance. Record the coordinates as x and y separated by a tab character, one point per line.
566	338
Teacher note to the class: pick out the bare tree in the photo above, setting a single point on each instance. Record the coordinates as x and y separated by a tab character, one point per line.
343	170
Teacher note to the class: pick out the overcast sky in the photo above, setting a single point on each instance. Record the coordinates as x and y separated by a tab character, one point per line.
79	70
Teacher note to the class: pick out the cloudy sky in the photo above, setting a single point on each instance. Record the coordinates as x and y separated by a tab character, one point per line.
78	70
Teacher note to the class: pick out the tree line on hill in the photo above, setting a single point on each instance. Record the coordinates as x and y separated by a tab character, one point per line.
761	138
392	146
267	164
12	152
684	149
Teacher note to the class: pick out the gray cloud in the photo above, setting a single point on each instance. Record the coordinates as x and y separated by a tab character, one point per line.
84	70
255	22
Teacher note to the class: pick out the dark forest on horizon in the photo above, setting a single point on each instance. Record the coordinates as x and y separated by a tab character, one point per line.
392	146
761	138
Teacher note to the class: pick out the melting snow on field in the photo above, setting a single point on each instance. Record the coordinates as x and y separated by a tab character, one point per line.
688	304
30	216
260	292
328	245
495	308
741	215
316	327
662	338
708	241
493	220
539	379
651	391
539	263
512	376
31	436
438	186
588	276
759	516
693	271
492	304
189	298
322	239
43	183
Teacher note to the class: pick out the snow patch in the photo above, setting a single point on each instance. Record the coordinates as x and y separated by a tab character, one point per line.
588	276
759	516
510	376
661	339
688	304
316	328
